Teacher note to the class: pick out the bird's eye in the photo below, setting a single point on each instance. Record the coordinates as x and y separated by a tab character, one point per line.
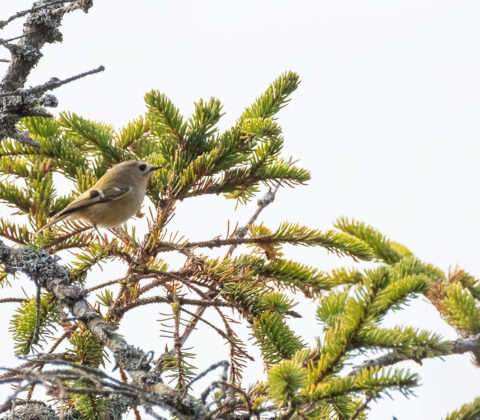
142	167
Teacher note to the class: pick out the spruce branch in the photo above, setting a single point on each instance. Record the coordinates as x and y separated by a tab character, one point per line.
292	234
362	408
182	301
447	348
470	411
194	160
383	249
55	278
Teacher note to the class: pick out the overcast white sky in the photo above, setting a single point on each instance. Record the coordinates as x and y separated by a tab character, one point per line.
386	119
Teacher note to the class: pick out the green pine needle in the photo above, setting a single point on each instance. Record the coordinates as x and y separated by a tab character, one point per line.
470	411
285	380
383	249
24	320
276	340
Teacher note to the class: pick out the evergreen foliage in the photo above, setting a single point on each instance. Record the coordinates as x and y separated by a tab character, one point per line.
469	411
260	285
23	323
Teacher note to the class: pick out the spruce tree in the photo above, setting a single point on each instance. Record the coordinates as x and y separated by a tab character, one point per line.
67	334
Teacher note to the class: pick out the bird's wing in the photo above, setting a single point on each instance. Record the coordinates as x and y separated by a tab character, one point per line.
94	196
88	198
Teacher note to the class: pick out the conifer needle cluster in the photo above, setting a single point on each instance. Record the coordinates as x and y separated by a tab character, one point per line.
253	278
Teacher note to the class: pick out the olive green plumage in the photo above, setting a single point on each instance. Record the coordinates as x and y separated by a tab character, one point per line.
114	198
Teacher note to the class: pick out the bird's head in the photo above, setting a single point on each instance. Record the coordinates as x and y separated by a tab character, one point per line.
135	169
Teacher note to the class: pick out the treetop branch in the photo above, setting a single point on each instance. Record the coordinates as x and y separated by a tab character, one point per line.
41	26
22	13
53	83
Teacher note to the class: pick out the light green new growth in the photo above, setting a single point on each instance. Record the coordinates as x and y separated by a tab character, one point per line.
253	282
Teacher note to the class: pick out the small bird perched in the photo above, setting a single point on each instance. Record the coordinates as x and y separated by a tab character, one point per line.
114	198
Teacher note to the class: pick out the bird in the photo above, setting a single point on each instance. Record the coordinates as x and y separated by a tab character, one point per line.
114	198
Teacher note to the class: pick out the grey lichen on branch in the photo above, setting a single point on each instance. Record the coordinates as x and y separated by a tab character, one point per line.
53	277
22	13
34	410
41	27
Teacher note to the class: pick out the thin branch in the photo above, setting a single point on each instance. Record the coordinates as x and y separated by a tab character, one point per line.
262	203
7	41
78	4
241	392
102	285
160	280
199	318
236	239
224	364
53	83
23	138
17	15
218	242
177	345
192	324
58	341
363	407
171	299
459	346
38	317
40	359
12	300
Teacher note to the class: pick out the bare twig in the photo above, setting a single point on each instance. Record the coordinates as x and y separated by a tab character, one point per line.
12	300
41	26
5	42
52	349
102	285
236	389
38	320
171	299
22	13
78	4
161	277
224	364
53	83
262	203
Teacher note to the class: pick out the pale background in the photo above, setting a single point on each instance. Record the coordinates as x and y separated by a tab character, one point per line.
386	118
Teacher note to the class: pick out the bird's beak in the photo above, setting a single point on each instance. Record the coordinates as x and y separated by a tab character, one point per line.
155	168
